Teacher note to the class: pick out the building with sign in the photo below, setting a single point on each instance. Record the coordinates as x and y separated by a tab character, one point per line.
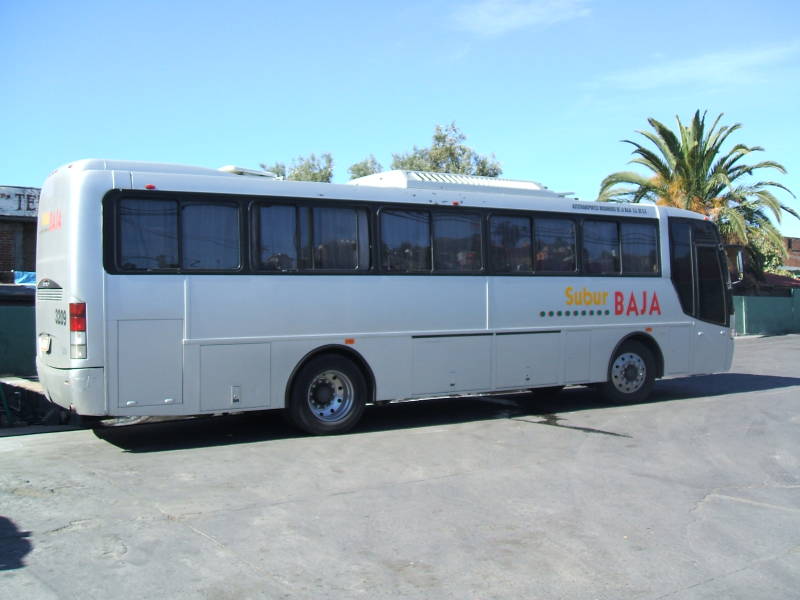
18	208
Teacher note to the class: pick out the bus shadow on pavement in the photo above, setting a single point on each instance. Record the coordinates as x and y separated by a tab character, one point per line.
527	407
718	385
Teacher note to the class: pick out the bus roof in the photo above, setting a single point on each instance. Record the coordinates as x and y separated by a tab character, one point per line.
399	186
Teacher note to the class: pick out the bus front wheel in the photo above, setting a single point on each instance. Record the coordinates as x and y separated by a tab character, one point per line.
328	395
631	374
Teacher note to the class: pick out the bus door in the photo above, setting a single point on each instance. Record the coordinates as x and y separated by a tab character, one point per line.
699	274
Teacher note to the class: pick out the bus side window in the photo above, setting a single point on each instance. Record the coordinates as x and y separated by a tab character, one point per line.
510	244
601	254
710	285
335	238
457	243
554	241
148	234
639	248
405	241
210	236
277	238
681	265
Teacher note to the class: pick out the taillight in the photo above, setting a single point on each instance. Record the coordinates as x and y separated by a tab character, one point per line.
77	316
77	330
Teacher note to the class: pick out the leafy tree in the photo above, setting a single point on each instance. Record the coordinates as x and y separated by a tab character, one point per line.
310	168
278	168
764	253
368	166
448	154
690	170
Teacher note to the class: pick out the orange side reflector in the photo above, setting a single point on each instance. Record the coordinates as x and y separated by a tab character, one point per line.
648	329
349	341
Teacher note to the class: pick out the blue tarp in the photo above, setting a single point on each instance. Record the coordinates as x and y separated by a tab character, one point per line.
25	277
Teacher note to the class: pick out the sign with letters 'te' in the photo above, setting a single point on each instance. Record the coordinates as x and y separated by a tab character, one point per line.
18	201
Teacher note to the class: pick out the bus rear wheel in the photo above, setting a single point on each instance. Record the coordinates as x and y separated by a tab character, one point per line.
631	374
328	395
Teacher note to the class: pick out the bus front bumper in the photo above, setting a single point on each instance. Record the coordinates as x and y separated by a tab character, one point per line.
79	390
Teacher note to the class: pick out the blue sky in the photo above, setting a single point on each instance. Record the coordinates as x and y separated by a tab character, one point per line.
549	86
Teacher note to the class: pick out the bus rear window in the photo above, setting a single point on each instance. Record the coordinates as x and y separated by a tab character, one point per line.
148	235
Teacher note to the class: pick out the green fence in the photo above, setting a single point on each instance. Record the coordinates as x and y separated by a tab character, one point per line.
17	340
767	315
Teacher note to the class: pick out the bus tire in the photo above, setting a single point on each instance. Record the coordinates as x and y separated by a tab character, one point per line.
328	395
631	374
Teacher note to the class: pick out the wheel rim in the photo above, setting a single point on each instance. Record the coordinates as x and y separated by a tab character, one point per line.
330	396
628	373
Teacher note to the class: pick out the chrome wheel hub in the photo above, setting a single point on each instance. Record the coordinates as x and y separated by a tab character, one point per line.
628	373
330	396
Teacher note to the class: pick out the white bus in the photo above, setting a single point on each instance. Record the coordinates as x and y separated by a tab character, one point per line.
175	290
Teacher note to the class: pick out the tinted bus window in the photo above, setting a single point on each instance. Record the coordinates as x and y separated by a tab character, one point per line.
148	231
601	248
639	248
405	241
711	287
210	236
277	238
335	238
681	265
510	244
555	245
457	243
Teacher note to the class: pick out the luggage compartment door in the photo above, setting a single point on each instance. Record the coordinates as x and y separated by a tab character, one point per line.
149	362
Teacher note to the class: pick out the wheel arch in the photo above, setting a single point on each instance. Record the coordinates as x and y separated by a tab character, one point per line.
337	349
649	342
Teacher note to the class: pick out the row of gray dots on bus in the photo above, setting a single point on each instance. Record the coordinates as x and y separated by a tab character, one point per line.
574	313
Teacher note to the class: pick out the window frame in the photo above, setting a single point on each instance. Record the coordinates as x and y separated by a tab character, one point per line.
112	248
713	241
249	223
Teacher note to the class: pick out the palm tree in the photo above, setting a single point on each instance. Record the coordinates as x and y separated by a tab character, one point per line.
689	170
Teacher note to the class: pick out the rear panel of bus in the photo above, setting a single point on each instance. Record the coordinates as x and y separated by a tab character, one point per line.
69	294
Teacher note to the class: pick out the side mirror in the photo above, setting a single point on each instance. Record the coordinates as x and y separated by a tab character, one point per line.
735	256
739	266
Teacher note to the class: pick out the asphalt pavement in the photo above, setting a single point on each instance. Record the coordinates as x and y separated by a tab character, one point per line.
694	494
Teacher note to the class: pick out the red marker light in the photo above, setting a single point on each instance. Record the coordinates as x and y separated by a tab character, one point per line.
77	316
149	186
